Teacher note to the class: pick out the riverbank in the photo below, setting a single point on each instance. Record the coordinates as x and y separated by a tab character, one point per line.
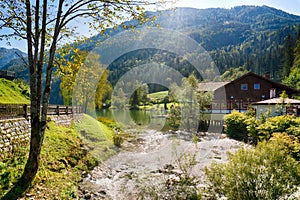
65	157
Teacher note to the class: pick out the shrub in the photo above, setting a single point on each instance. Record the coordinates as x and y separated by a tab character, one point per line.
174	117
245	127
118	140
291	142
236	126
178	182
276	124
266	172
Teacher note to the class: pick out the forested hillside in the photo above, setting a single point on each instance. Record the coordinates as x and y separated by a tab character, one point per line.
254	38
8	55
258	39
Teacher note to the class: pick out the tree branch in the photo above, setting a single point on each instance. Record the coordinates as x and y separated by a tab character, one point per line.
23	59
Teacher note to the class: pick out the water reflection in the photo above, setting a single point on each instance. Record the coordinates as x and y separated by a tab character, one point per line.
154	119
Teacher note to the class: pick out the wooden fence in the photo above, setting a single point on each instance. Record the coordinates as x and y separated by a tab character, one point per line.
7	75
8	111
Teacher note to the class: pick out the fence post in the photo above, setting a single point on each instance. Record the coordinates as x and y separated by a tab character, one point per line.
25	111
57	110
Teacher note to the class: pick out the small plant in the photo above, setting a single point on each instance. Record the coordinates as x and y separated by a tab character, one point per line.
118	140
178	182
11	167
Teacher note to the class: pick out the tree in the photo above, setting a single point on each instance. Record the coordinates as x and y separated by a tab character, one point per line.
86	92
233	73
281	107
104	91
68	69
288	56
192	105
293	79
139	95
69	62
44	25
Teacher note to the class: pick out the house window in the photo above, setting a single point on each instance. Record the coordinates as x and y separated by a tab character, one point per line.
256	86
244	86
272	93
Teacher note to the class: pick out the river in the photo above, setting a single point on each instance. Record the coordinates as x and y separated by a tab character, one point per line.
152	164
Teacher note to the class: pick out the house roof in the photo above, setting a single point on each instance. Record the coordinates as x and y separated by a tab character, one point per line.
275	84
277	101
210	86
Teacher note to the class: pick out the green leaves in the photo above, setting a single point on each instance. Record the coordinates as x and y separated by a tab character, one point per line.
241	126
236	127
293	79
266	172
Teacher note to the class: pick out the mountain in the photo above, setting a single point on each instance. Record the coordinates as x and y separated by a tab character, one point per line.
250	37
8	55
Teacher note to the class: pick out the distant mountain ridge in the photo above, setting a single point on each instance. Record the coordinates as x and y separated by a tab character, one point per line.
246	21
7	55
251	37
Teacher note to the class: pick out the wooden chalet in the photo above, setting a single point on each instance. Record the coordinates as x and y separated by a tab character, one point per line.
243	91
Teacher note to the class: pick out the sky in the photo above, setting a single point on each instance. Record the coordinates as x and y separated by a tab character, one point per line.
290	6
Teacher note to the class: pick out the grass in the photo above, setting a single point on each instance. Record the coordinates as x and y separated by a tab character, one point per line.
158	95
13	92
65	156
98	137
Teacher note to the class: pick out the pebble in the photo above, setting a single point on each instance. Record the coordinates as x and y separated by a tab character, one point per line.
123	175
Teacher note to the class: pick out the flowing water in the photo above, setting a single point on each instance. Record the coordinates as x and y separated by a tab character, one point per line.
149	163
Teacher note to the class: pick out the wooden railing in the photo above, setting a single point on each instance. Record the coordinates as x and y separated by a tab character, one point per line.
7	74
8	111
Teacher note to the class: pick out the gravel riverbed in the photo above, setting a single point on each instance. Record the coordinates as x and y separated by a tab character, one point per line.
153	161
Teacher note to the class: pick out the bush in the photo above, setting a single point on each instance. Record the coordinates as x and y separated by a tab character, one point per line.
236	127
245	127
174	117
178	183
276	124
291	142
118	140
266	172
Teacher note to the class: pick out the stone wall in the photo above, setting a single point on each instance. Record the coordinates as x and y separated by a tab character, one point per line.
13	132
16	132
62	120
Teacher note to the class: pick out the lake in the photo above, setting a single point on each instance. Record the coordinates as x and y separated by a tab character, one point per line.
153	119
148	119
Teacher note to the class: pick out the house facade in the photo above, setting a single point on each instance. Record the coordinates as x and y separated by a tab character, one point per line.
244	91
277	106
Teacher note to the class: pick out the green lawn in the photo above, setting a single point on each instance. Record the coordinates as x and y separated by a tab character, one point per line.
13	92
65	155
158	95
97	136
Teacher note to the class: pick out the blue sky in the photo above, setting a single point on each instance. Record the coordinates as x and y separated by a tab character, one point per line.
290	6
